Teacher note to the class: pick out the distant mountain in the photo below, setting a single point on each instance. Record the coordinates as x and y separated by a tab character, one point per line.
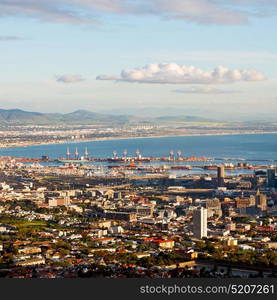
85	116
19	117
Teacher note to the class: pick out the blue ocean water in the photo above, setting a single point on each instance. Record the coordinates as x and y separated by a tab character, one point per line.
250	147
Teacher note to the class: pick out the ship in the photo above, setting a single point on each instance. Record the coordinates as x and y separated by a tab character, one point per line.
125	159
72	161
76	160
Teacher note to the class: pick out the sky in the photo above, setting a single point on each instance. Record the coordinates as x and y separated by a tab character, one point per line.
211	58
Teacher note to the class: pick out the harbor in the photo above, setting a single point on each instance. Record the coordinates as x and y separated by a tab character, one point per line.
126	164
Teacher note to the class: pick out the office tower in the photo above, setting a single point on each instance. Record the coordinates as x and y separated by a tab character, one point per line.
200	222
213	207
272	178
220	175
261	201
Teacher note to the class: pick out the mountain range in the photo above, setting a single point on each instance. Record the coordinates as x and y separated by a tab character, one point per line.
20	117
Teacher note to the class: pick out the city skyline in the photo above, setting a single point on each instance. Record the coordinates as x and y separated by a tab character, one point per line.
139	140
204	58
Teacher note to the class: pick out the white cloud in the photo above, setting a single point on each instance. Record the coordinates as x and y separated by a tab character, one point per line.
226	12
204	90
67	78
173	73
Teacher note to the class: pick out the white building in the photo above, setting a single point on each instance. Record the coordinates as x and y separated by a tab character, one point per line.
200	223
116	230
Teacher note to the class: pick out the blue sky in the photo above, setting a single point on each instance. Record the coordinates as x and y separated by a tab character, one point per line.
59	60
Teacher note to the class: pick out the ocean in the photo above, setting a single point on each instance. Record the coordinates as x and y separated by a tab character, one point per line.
255	147
259	149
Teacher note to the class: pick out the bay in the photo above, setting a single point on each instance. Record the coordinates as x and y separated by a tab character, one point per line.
251	146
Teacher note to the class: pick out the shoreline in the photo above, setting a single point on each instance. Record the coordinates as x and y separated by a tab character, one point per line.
133	138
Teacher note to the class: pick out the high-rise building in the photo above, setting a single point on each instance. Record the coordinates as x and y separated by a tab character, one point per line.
200	223
220	175
213	207
272	178
261	201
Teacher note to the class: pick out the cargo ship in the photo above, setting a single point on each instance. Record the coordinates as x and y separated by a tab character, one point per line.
76	159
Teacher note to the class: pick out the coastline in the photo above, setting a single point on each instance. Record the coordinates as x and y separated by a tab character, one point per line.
3	147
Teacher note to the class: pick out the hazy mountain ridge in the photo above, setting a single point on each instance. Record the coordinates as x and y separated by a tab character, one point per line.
18	116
